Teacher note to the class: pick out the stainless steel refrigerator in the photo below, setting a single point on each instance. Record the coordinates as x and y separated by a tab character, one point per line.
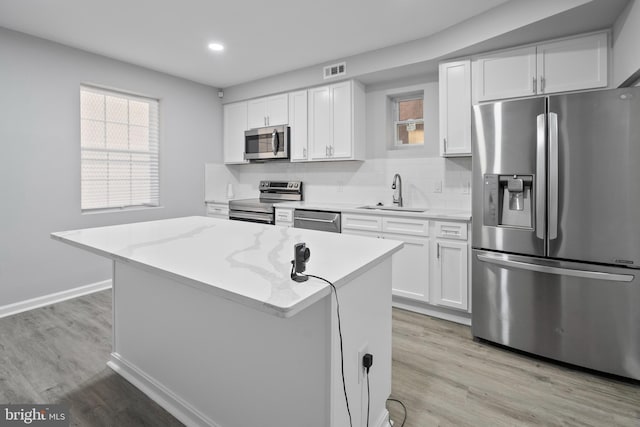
556	227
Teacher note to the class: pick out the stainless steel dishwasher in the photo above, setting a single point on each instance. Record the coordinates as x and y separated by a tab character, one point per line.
317	220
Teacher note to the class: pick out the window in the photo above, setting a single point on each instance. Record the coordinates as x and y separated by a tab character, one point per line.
408	120
119	150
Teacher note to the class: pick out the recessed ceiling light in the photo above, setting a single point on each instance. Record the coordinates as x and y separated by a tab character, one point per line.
217	47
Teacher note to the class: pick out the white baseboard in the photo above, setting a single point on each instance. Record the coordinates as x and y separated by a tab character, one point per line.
184	412
30	304
433	311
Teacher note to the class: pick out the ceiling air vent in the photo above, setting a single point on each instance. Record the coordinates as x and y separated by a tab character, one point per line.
335	70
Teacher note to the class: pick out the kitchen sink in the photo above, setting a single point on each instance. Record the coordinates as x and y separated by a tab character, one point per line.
392	208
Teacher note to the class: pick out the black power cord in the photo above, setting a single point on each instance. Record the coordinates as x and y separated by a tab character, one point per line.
344	385
403	407
367	362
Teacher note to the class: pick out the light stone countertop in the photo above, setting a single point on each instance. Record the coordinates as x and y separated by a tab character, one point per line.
241	261
436	213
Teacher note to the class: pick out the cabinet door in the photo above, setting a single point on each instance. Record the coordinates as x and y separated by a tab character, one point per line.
298	125
507	74
341	114
573	64
320	122
234	125
455	108
450	286
257	113
277	110
411	268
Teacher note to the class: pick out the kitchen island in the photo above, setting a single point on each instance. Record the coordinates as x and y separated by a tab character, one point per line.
208	323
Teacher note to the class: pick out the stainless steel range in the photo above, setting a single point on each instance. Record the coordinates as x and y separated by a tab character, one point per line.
263	209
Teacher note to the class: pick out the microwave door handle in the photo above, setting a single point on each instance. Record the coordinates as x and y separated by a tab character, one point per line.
274	142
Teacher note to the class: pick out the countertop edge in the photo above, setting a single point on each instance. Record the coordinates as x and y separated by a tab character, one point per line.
283	312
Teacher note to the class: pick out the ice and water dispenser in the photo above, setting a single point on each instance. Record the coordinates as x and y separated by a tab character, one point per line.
508	201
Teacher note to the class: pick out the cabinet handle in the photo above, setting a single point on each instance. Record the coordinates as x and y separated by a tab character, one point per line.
331	150
304	153
326	151
444	143
535	84
542	84
437	250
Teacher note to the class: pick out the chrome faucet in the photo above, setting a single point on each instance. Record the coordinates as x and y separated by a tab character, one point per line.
397	200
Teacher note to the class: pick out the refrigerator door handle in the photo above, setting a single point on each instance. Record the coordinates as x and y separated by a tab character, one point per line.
553	176
541	174
598	275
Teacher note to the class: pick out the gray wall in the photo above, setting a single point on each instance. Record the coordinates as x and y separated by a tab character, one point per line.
414	57
40	158
626	43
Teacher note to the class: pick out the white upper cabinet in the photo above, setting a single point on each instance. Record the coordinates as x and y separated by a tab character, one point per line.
298	126
507	74
573	64
320	134
336	122
455	108
234	126
570	64
268	111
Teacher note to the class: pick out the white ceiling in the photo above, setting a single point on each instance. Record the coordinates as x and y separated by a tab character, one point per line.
262	38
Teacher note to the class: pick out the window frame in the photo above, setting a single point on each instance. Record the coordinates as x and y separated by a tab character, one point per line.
395	119
153	139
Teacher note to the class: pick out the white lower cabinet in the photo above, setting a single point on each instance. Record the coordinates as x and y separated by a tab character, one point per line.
218	210
284	217
410	265
432	269
411	268
450	284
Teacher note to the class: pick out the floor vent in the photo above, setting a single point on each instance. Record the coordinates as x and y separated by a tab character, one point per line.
335	70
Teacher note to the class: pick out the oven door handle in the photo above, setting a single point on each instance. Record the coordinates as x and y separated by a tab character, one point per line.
265	218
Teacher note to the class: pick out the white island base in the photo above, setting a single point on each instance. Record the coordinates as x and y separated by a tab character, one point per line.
220	341
210	361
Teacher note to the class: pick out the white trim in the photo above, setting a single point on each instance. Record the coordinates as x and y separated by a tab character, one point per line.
384	419
30	304
445	313
183	411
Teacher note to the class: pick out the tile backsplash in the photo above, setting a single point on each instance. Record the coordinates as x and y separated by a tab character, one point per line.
366	182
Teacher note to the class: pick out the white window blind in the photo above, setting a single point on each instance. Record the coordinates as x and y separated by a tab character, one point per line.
119	150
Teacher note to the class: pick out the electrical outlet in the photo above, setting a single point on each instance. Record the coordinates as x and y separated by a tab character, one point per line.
361	372
437	186
466	188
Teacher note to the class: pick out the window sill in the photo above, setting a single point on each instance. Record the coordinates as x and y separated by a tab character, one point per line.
125	209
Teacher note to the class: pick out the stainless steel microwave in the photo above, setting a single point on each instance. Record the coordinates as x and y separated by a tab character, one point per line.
267	143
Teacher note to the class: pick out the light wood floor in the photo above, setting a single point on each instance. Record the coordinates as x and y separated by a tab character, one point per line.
58	354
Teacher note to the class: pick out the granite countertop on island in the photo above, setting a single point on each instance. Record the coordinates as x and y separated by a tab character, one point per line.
240	261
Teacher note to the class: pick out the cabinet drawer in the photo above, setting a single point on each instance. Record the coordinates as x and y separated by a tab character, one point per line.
284	215
414	227
361	222
451	230
218	210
